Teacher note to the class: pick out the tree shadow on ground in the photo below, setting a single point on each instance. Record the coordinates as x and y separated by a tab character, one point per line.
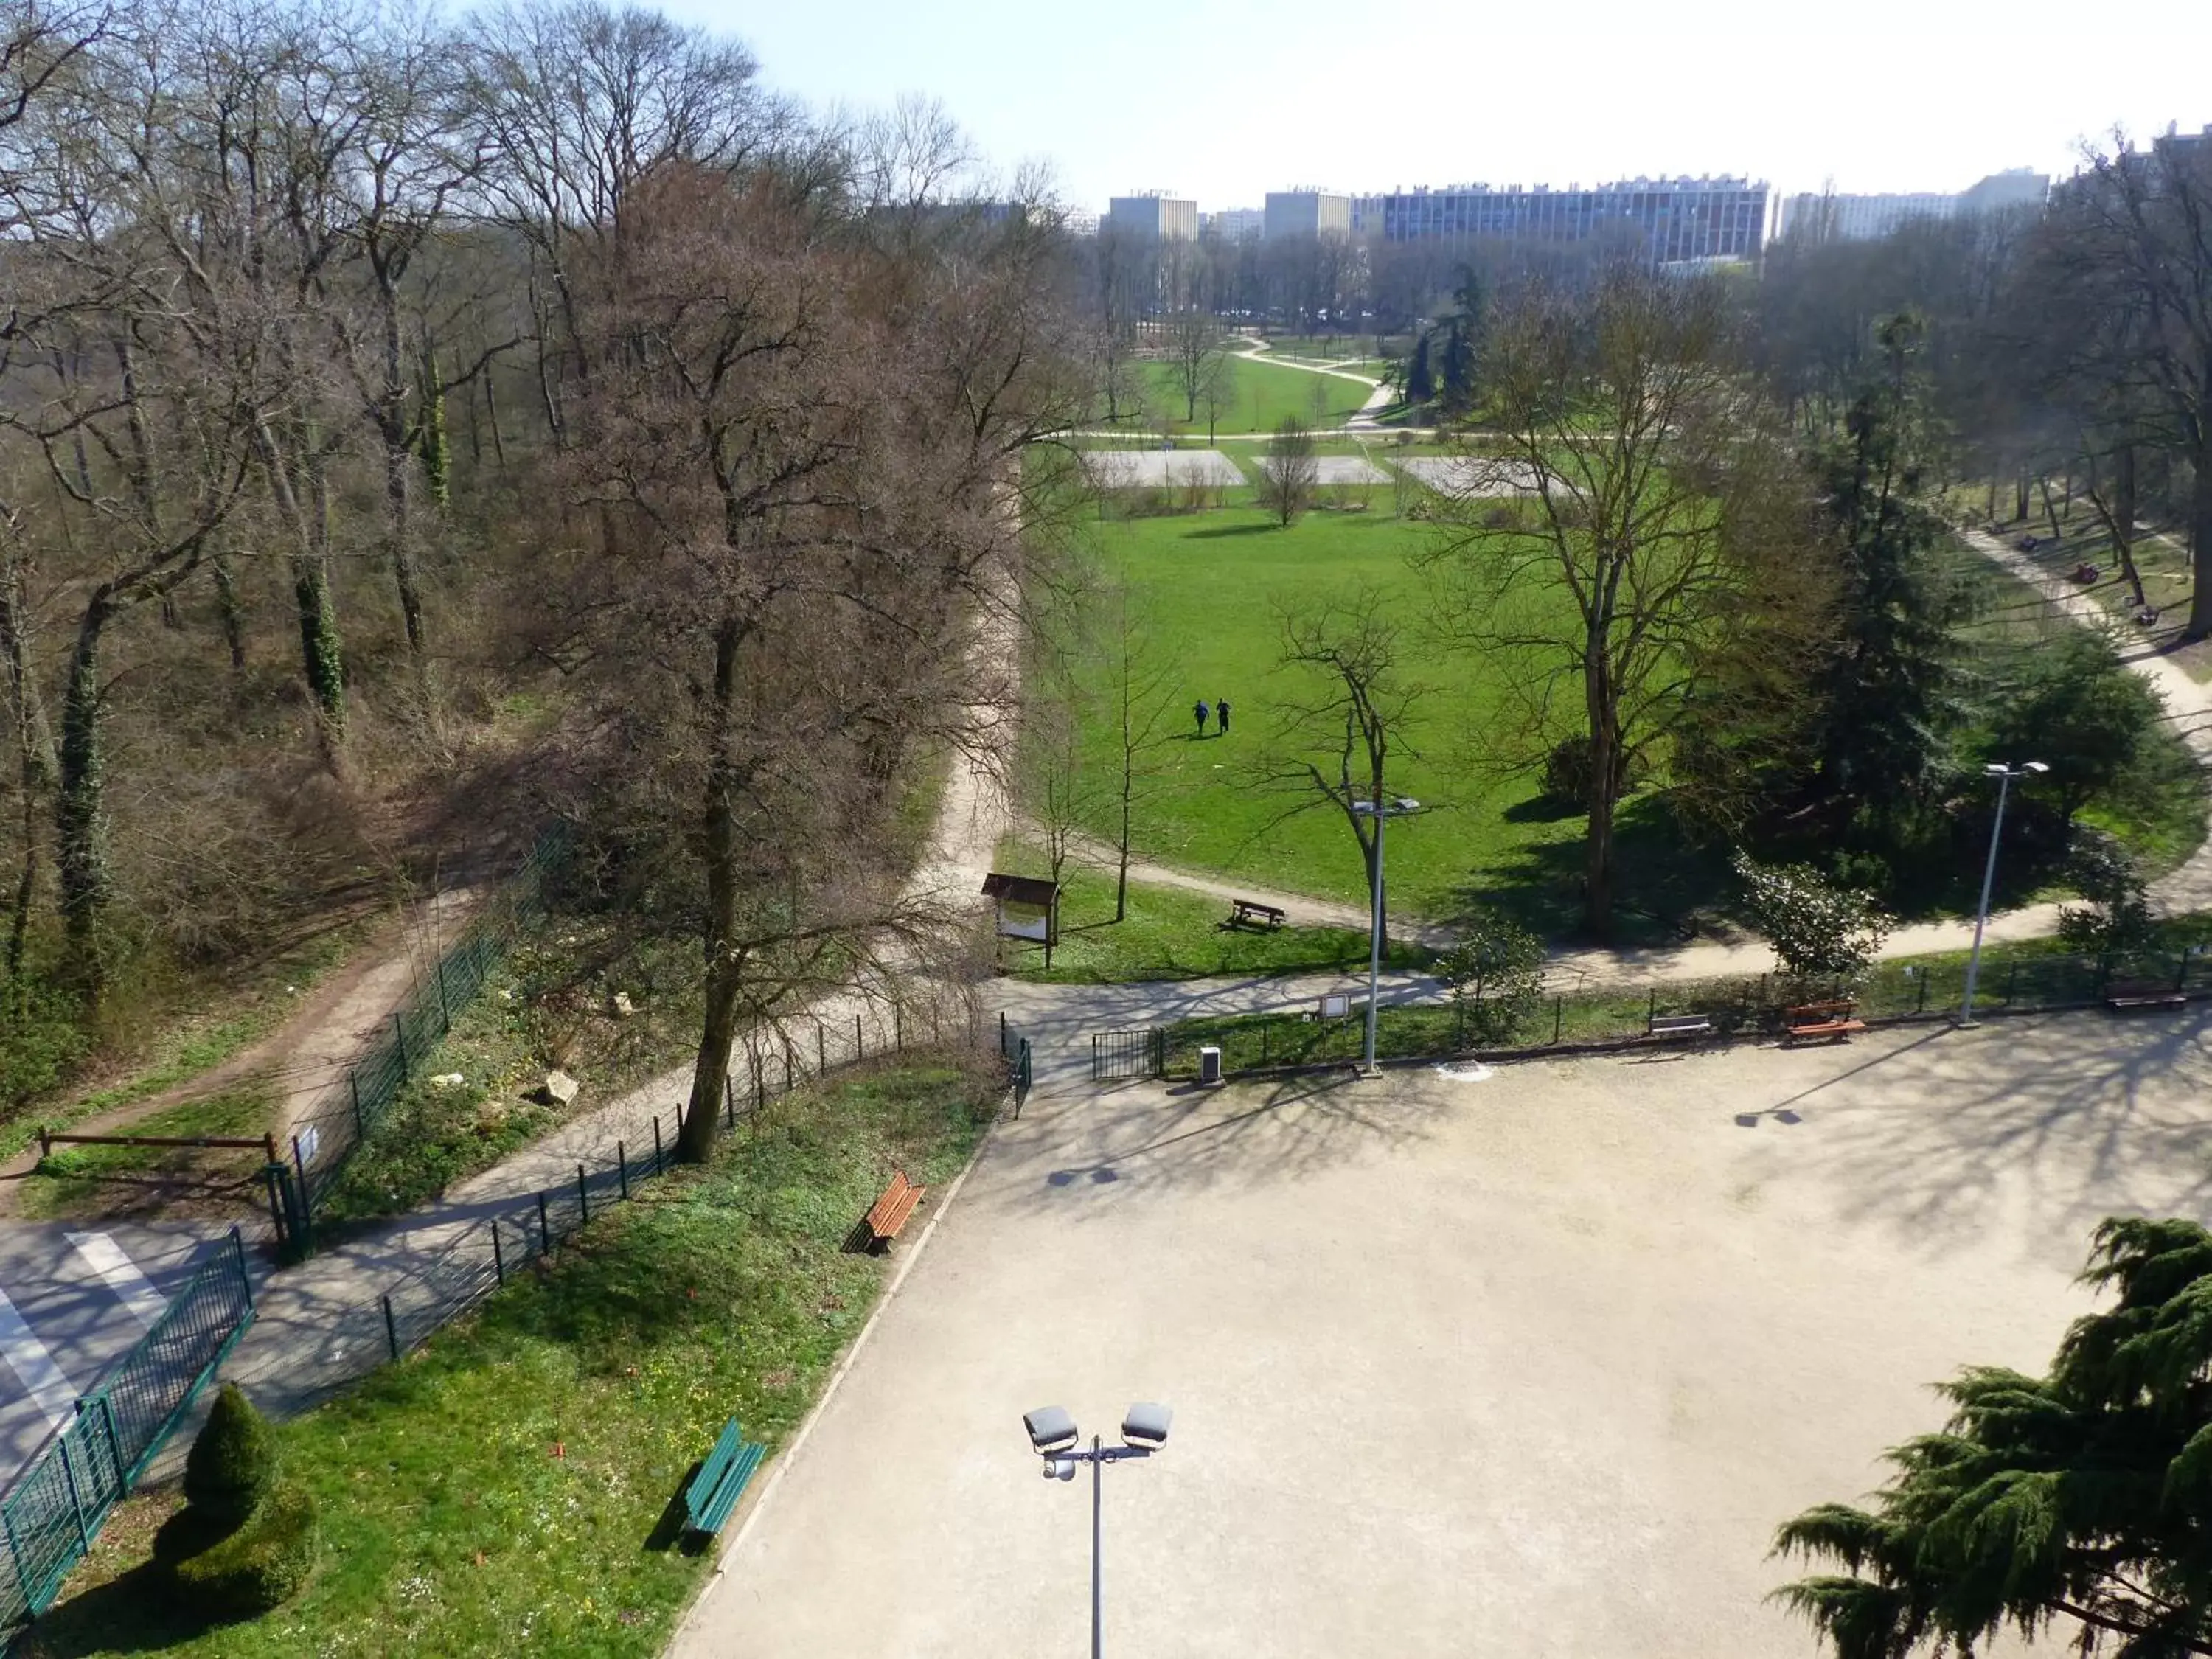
1664	883
1940	1138
1253	1134
136	1612
1213	533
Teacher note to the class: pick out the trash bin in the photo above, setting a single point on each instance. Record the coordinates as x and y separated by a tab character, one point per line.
1209	1064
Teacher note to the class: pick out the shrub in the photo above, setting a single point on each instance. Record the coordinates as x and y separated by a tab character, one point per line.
2103	873
1820	932
1568	774
233	1463
255	1566
1496	972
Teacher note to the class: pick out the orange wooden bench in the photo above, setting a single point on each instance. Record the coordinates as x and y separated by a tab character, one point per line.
891	1212
1822	1019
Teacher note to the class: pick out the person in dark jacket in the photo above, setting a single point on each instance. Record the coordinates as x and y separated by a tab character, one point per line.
1221	716
1202	711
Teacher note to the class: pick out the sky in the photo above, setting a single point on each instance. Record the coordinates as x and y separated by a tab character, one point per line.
1224	101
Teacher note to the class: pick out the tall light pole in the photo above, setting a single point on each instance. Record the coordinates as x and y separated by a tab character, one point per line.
1053	1437
1382	813
2004	776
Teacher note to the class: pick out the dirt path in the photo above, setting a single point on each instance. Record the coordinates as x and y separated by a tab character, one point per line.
331	1027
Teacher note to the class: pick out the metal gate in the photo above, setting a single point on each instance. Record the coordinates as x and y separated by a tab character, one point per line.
1128	1053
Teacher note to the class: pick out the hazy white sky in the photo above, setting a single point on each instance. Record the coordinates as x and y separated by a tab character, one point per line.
1225	101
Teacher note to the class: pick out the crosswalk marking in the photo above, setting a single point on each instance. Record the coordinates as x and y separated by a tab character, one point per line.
105	1257
19	1346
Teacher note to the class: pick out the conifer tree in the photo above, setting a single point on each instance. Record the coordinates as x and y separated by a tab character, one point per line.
2083	1496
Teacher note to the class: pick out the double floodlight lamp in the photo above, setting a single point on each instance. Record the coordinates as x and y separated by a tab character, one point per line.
1996	770
1366	809
1053	1436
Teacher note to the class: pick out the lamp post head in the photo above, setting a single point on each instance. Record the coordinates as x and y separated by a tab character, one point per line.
1407	804
1996	770
1051	1430
2035	766
1144	1425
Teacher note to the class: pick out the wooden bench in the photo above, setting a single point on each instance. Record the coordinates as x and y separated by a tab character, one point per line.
1665	1026
1821	1019
891	1212
1247	911
2144	994
714	1491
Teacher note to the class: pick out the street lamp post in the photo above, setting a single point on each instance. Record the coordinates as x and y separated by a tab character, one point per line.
1382	813
1053	1437
2004	776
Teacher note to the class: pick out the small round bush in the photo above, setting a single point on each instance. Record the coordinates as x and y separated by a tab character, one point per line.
232	1462
260	1565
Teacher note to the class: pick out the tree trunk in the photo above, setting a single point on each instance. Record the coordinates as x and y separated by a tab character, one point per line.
322	660
695	1137
2050	511
2200	513
80	805
491	412
230	612
1605	779
2123	520
396	461
2020	498
34	745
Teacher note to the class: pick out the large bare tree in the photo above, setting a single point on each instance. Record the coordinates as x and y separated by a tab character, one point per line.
1632	532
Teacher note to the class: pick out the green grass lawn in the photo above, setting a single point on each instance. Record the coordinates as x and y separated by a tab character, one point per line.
449	1524
74	1180
1264	394
1213	581
1170	933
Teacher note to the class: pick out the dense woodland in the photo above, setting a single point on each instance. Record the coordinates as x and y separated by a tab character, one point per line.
409	434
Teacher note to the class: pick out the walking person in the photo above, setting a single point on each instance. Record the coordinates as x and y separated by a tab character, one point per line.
1202	711
1221	716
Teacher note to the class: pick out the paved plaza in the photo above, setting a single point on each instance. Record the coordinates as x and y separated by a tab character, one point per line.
1526	1365
1336	470
1473	477
1155	469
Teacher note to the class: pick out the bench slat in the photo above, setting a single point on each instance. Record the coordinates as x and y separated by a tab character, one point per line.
726	1448
889	1213
731	1488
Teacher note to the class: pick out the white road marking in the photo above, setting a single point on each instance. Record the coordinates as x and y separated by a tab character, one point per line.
19	1346
105	1257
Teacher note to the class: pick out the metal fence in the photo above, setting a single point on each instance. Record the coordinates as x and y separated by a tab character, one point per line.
2017	981
359	1338
1127	1054
55	1509
346	1114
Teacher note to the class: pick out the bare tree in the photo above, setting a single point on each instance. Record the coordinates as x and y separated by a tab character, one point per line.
1219	392
1666	535
799	490
1141	689
1290	472
2135	229
1196	346
1339	731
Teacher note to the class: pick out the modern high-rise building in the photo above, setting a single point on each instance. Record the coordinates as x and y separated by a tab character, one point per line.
1236	224
1836	218
1153	217
1307	213
1657	221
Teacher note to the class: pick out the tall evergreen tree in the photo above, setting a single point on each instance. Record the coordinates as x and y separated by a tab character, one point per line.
1463	342
1420	374
2083	1495
1889	697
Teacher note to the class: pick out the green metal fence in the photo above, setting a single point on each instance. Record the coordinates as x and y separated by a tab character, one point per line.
2016	981
334	1128
53	1511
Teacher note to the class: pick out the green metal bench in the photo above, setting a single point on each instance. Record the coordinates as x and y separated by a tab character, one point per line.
714	1491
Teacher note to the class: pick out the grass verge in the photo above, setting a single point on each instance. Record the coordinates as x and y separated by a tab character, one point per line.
550	1004
512	1486
1173	933
72	1180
